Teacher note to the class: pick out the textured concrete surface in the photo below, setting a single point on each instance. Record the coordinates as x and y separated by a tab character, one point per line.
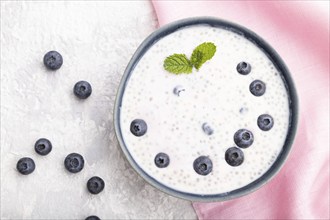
96	40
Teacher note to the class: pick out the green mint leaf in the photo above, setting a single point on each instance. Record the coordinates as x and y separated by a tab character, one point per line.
202	53
178	63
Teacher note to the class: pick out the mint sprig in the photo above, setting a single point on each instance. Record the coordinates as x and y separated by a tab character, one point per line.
179	63
202	53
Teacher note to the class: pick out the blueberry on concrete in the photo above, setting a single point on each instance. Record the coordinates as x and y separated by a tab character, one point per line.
243	68
95	185
82	89
74	163
203	165
162	160
43	146
207	129
234	156
92	217
53	60
25	165
243	138
265	122
257	88
138	127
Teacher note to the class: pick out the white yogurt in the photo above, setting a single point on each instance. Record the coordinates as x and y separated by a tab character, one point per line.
217	95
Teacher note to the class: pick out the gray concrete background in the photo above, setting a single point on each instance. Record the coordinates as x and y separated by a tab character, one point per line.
96	40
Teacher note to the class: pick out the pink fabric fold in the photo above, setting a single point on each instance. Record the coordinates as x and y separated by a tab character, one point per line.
299	32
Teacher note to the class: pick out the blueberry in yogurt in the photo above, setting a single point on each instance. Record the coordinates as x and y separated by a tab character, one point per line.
257	88
234	156
25	165
53	60
203	165
265	122
74	163
162	160
138	127
82	89
95	185
207	129
178	89
243	68
92	217
243	138
43	146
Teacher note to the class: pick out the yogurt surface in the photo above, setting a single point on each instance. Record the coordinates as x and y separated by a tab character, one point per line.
217	95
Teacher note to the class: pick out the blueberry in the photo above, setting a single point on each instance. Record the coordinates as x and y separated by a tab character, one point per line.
243	138
207	129
138	127
25	165
74	163
203	165
258	88
53	60
82	89
234	156
95	185
178	89
265	122
162	160
43	146
243	68
92	217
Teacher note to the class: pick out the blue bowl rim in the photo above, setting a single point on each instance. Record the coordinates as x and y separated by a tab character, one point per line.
271	53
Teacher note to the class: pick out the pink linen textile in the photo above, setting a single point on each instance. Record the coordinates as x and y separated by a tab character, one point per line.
299	32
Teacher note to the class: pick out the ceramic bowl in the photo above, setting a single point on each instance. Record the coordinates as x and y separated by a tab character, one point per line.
278	62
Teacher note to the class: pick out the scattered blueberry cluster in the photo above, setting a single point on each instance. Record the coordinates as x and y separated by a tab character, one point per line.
73	162
53	60
243	138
